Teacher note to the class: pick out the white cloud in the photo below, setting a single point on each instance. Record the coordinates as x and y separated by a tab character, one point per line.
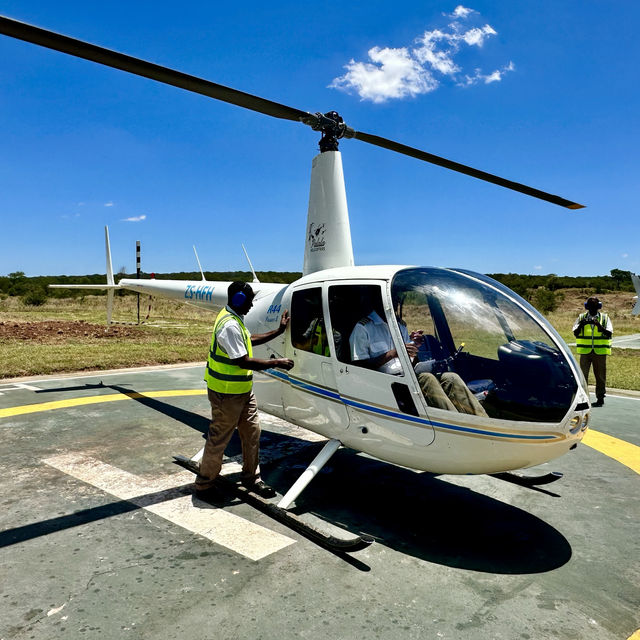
395	73
538	267
476	37
460	12
108	204
481	78
135	219
391	73
428	54
624	255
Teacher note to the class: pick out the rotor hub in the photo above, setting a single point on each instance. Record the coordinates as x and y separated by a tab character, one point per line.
332	127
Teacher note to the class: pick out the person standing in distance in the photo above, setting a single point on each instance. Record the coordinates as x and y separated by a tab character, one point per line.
229	378
593	331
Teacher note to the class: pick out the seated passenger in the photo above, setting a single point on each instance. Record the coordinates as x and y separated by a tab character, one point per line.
372	347
315	338
450	392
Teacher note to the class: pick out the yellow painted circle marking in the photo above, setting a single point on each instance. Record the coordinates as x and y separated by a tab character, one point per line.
624	452
80	402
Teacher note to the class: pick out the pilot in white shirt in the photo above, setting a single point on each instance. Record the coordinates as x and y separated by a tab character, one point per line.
371	338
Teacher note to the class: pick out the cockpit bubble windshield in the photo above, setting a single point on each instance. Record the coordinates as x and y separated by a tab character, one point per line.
504	352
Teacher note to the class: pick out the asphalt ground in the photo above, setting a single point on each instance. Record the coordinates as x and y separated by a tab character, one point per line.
100	536
627	342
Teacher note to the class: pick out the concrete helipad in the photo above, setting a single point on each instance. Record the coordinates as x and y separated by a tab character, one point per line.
102	538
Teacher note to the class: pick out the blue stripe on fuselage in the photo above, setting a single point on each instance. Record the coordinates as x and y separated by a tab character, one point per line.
398	416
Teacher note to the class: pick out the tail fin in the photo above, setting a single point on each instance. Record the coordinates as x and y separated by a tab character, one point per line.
636	283
107	247
110	286
199	265
255	277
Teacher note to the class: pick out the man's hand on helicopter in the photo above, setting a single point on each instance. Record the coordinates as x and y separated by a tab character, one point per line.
265	337
284	321
283	363
260	364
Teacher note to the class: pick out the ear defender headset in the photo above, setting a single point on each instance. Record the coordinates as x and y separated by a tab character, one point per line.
599	304
239	297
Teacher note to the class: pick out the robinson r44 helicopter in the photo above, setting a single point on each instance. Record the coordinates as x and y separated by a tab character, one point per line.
534	397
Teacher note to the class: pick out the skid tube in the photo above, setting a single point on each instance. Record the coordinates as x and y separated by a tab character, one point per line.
530	482
291	520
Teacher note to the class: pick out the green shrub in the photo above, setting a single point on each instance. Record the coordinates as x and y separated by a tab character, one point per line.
35	297
545	300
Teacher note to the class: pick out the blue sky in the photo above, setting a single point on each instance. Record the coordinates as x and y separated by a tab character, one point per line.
545	93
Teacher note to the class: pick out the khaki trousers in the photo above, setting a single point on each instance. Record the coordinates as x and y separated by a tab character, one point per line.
231	411
451	393
599	362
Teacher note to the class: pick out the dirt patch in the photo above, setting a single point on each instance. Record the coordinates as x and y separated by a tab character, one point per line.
52	331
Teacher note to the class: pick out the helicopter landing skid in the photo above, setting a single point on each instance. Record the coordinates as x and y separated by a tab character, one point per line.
531	482
291	520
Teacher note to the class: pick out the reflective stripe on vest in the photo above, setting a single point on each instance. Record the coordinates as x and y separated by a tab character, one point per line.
591	338
221	374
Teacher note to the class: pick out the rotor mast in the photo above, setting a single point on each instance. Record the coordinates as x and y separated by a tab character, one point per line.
328	240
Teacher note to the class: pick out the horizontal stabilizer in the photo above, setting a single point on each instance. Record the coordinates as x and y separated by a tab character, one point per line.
84	286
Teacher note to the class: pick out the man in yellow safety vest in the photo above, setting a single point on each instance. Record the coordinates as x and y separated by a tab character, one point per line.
593	331
229	378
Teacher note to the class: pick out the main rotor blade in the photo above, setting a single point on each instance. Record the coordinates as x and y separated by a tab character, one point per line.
107	57
463	168
80	49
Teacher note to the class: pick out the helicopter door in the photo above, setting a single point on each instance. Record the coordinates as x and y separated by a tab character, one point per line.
311	400
382	397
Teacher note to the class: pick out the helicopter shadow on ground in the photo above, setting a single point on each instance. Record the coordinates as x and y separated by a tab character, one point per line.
416	514
425	516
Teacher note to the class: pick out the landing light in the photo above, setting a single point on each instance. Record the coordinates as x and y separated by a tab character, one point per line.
575	424
585	421
579	423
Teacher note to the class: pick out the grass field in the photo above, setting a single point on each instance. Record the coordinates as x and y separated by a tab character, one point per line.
175	333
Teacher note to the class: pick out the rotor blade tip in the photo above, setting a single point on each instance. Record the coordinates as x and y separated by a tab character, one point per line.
575	205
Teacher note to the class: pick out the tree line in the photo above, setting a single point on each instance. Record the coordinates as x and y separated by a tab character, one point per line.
539	289
34	290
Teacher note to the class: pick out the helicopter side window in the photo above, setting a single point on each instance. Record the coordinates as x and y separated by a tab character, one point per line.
361	332
308	327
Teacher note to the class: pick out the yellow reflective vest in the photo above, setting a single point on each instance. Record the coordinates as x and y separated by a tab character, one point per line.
591	338
221	374
320	343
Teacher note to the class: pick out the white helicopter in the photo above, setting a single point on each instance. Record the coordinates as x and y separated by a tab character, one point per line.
506	352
